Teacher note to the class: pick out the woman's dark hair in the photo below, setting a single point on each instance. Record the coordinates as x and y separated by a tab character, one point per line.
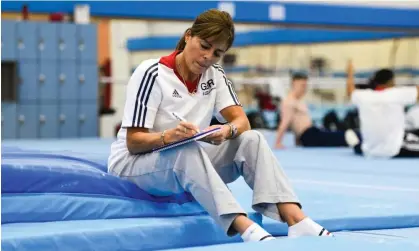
211	23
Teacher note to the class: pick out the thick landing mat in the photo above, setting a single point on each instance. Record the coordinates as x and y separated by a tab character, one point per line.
115	234
79	188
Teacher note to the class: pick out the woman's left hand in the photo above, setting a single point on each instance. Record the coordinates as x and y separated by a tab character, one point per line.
217	137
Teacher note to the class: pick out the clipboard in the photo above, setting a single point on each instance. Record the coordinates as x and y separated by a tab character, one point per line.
196	137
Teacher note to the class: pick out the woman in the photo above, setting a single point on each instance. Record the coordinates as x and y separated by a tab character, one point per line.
189	83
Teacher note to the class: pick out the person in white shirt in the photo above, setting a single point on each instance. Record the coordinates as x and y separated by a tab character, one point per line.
189	83
412	118
382	116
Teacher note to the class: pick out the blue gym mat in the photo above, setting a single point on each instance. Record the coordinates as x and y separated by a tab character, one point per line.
405	239
341	242
338	189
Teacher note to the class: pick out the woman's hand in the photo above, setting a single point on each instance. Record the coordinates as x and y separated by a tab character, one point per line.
217	137
182	131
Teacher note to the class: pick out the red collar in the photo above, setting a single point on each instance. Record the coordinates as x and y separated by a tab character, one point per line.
379	88
170	62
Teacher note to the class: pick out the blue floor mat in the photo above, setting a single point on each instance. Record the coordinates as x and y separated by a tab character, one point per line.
336	188
340	243
405	239
348	192
407	234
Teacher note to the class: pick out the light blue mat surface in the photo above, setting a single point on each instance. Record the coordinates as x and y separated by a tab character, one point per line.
348	192
341	242
404	233
336	188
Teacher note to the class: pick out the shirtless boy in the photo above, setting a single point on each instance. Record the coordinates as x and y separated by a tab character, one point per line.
295	114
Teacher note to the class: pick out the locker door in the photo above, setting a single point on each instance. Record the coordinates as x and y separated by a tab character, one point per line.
48	121
88	120
8	40
27	40
67	41
67	79
87	45
48	81
8	121
48	41
28	81
27	122
67	118
88	81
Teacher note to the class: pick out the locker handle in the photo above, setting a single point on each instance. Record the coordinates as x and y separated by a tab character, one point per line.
62	118
42	118
62	78
81	78
82	118
81	45
21	119
61	45
20	44
41	78
41	45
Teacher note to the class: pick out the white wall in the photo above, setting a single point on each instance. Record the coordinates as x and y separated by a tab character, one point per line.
366	54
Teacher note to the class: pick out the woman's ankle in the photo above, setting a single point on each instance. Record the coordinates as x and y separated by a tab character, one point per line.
241	223
290	213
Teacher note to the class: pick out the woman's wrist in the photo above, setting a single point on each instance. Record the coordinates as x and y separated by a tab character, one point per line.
232	131
162	135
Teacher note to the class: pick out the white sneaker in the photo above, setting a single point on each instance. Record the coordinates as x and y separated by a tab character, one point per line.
351	138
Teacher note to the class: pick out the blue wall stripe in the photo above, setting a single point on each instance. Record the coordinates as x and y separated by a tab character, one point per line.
274	36
297	13
255	12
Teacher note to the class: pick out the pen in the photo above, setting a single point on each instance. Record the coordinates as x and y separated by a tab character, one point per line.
178	117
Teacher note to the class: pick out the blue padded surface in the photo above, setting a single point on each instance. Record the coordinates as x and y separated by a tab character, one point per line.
410	234
347	192
30	176
115	234
338	189
341	243
36	207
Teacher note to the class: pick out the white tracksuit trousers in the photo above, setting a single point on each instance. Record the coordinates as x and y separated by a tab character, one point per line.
203	170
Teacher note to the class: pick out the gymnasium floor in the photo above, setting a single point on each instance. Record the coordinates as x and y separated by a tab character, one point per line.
56	195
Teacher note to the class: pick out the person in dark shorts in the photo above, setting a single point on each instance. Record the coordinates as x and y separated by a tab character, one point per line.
295	114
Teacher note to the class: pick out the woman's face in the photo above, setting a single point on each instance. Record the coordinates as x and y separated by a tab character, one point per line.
202	53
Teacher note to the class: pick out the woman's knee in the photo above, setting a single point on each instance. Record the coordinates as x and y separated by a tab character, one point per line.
251	136
185	156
